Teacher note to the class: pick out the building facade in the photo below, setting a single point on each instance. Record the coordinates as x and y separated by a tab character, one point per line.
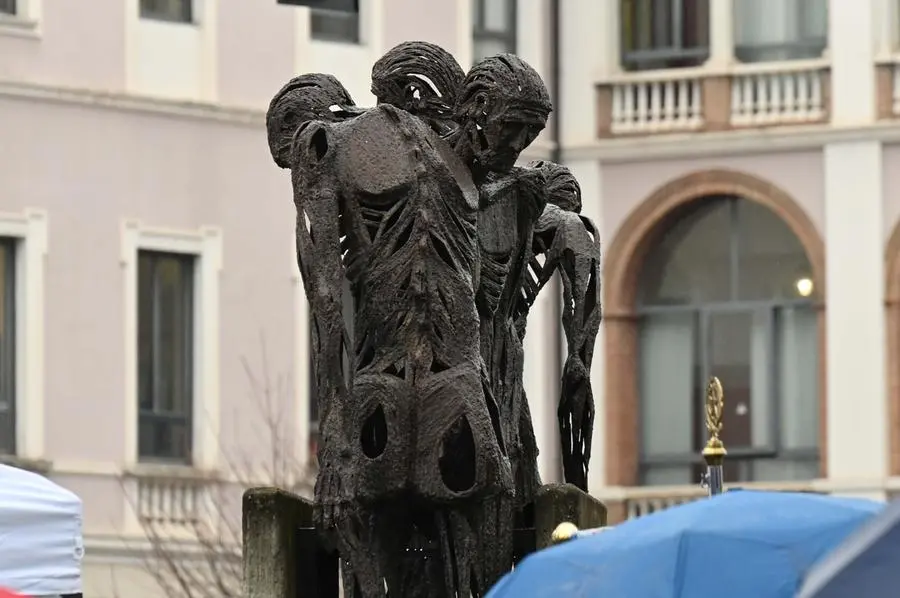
738	157
153	334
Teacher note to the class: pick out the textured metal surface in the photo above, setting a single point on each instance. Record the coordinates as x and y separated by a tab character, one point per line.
427	451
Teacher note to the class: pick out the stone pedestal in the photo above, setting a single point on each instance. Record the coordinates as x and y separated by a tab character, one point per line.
283	557
556	503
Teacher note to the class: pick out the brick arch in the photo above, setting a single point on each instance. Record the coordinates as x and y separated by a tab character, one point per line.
622	267
892	324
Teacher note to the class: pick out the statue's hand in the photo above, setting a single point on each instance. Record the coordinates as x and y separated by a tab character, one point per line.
334	491
532	186
576	421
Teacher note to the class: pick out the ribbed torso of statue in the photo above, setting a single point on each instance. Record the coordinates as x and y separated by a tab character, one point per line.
506	222
415	420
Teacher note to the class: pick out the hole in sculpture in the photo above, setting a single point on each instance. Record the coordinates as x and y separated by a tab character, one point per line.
374	434
441	249
438	366
318	143
457	460
494	414
404	236
590	299
397	369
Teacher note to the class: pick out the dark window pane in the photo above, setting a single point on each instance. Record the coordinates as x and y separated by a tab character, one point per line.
8	7
493	28
771	259
726	291
165	354
180	11
773	30
7	346
797	337
740	352
498	15
662	34
668	383
485	47
164	439
692	262
336	26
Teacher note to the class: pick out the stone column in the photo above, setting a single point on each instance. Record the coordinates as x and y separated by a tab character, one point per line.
856	428
851	31
721	34
590	55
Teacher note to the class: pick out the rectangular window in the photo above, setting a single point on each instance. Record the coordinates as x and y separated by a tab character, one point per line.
335	25
765	355
176	11
493	28
775	30
165	356
8	7
7	346
664	34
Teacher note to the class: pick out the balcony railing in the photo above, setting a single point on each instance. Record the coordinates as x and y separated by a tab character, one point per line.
679	100
777	94
657	105
640	501
171	502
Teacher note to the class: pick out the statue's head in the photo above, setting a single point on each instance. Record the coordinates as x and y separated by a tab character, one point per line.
563	189
419	77
502	108
314	96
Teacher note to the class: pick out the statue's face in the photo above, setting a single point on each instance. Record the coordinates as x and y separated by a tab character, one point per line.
500	130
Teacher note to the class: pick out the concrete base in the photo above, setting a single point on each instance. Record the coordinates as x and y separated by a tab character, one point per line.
283	559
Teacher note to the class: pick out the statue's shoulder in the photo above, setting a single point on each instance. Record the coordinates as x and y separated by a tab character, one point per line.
378	149
573	230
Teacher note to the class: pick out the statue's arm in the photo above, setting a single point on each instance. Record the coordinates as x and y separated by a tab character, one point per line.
573	249
316	198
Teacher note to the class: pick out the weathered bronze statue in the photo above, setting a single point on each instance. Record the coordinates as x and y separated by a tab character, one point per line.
426	446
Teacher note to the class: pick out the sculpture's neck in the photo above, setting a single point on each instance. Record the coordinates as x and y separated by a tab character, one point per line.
459	141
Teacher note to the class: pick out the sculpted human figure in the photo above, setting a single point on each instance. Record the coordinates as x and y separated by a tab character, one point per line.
501	109
409	440
426	446
566	242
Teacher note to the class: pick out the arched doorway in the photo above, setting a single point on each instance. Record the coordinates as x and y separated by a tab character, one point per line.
720	277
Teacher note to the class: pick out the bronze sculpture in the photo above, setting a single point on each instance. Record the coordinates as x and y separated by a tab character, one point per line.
427	451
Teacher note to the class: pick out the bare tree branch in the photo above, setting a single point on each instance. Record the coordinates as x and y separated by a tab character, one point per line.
200	556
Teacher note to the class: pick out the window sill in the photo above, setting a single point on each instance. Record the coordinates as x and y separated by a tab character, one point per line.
19	27
168	471
168	21
40	466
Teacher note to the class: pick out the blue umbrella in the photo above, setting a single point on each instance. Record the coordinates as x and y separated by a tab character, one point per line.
741	544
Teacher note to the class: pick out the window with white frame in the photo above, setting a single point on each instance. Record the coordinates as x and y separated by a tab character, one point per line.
664	34
7	345
172	357
23	248
335	25
776	30
8	7
165	355
493	28
176	11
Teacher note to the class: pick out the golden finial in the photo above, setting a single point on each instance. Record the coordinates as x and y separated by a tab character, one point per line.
715	407
564	532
